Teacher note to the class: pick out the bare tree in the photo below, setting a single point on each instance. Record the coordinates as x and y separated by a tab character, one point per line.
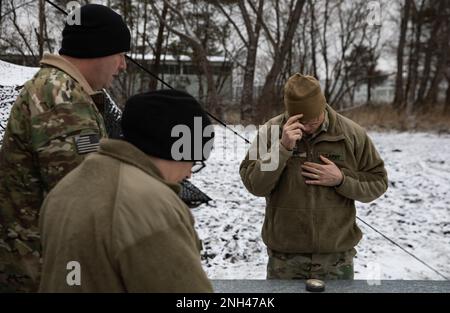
414	55
428	46
25	37
42	27
439	42
1	17
250	41
348	26
312	33
324	47
158	47
399	89
144	36
447	94
186	34
270	93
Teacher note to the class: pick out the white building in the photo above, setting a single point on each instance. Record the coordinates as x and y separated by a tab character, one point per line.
181	73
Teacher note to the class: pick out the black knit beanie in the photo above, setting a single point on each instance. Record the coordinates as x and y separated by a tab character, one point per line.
168	124
102	33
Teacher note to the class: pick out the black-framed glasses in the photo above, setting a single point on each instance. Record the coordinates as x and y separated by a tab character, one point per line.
197	167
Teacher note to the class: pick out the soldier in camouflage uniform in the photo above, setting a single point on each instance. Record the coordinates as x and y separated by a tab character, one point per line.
325	163
55	122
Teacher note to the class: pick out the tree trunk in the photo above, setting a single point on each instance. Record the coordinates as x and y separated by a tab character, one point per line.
158	49
313	39
414	64
247	101
425	77
447	97
433	49
442	57
369	91
126	8
432	95
269	95
144	41
248	83
398	98
41	35
1	20
212	98
325	52
133	77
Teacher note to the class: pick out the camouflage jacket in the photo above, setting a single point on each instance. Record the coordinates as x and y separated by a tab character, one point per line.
54	123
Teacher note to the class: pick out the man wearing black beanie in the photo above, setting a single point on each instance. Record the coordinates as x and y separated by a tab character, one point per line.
55	122
118	214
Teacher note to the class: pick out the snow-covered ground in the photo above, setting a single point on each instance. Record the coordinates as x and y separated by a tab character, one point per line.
415	212
13	74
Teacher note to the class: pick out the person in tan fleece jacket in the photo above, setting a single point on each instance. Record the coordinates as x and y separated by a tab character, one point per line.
326	162
116	222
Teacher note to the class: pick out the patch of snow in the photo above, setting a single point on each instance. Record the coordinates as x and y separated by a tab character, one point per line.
11	79
15	75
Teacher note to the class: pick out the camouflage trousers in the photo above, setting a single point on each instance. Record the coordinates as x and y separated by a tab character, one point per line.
326	266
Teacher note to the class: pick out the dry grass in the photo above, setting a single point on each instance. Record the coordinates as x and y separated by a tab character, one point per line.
387	118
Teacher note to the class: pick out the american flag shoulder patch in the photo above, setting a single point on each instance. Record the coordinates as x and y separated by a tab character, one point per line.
87	143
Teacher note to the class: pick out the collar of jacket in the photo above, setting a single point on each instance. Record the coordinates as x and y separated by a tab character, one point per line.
323	127
126	152
64	65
